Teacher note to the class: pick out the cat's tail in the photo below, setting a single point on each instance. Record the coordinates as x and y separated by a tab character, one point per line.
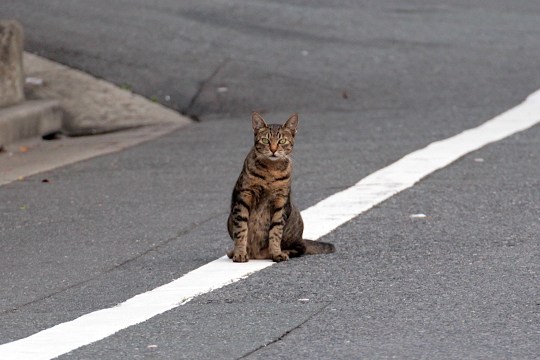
318	247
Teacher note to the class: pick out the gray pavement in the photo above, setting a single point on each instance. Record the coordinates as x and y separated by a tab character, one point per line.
375	51
372	81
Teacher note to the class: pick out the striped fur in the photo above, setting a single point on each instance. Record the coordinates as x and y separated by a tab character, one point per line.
263	222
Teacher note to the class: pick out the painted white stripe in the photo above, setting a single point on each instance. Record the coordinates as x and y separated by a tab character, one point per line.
320	219
68	336
341	207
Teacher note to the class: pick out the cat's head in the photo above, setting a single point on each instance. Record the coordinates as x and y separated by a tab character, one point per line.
274	141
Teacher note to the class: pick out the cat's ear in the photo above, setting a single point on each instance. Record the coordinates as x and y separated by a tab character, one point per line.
257	121
292	123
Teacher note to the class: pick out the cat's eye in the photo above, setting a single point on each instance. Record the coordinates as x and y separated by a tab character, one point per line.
265	141
282	141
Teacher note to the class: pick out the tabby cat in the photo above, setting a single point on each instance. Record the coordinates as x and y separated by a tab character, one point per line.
263	223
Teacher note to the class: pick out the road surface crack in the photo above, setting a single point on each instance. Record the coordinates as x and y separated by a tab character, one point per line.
178	235
281	337
203	86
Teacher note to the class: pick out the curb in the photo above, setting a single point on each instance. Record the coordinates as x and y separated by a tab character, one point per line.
29	119
92	105
62	99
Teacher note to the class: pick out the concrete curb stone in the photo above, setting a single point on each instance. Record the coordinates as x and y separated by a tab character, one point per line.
29	119
92	106
87	106
20	119
11	66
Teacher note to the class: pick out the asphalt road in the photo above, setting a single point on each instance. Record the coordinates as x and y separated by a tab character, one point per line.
372	81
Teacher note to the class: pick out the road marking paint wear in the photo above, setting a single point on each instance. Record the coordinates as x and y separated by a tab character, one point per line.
319	220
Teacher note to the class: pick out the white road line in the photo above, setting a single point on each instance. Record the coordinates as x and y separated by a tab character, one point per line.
320	219
68	336
341	207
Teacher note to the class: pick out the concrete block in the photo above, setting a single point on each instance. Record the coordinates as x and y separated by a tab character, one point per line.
11	63
30	119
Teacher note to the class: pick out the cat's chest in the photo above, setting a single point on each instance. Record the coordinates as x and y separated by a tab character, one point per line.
267	195
260	218
263	207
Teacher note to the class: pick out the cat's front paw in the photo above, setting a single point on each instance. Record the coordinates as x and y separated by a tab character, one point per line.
280	257
240	257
